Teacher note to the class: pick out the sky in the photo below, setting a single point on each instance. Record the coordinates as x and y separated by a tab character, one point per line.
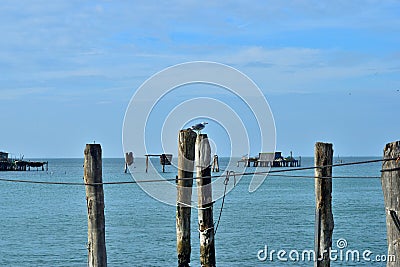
328	69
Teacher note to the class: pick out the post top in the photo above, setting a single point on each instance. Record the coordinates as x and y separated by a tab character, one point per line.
322	143
392	144
186	130
93	145
93	149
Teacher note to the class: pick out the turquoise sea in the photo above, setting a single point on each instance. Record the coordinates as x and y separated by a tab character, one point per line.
46	225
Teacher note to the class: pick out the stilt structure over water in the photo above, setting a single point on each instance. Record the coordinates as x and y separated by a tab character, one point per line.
165	159
8	164
270	159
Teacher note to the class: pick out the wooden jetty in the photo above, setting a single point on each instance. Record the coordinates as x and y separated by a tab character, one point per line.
247	160
270	159
9	164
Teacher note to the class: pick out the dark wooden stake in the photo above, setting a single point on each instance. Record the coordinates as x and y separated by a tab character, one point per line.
186	146
147	163
205	202
163	161
128	160
390	180
323	199
95	206
215	165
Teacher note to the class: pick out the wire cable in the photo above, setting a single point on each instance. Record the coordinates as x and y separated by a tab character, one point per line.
226	181
270	172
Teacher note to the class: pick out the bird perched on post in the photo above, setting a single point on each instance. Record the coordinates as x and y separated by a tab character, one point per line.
199	126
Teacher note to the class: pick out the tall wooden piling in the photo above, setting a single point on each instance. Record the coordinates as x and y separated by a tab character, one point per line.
390	180
205	202
97	256
186	156
323	199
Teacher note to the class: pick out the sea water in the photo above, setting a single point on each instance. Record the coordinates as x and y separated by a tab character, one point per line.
46	225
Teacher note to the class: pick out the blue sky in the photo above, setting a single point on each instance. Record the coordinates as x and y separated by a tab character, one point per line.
329	69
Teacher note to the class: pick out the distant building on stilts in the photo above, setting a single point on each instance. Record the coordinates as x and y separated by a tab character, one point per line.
10	164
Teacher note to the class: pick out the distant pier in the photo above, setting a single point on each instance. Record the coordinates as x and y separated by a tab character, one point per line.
270	159
8	164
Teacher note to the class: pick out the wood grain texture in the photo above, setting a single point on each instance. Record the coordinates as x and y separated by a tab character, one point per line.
205	203
390	180
323	200
186	157
97	256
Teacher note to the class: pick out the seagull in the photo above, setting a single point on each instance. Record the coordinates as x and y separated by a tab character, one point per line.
198	127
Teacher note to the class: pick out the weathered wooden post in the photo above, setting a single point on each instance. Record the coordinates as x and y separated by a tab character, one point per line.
390	180
147	163
323	201
205	202
128	160
215	165
186	146
95	206
163	161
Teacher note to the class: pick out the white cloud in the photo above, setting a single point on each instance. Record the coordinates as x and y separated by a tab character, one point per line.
11	94
306	70
287	56
58	40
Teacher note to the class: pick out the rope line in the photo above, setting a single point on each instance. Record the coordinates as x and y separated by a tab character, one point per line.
325	177
271	173
391	170
226	181
395	219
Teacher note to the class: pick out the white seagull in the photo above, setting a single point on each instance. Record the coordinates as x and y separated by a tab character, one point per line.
198	127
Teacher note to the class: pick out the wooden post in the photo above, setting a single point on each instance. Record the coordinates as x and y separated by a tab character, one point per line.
186	146
215	165
128	160
390	180
205	202
163	161
147	162
323	199
95	206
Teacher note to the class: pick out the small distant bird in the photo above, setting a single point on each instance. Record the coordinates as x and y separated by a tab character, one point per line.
198	127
